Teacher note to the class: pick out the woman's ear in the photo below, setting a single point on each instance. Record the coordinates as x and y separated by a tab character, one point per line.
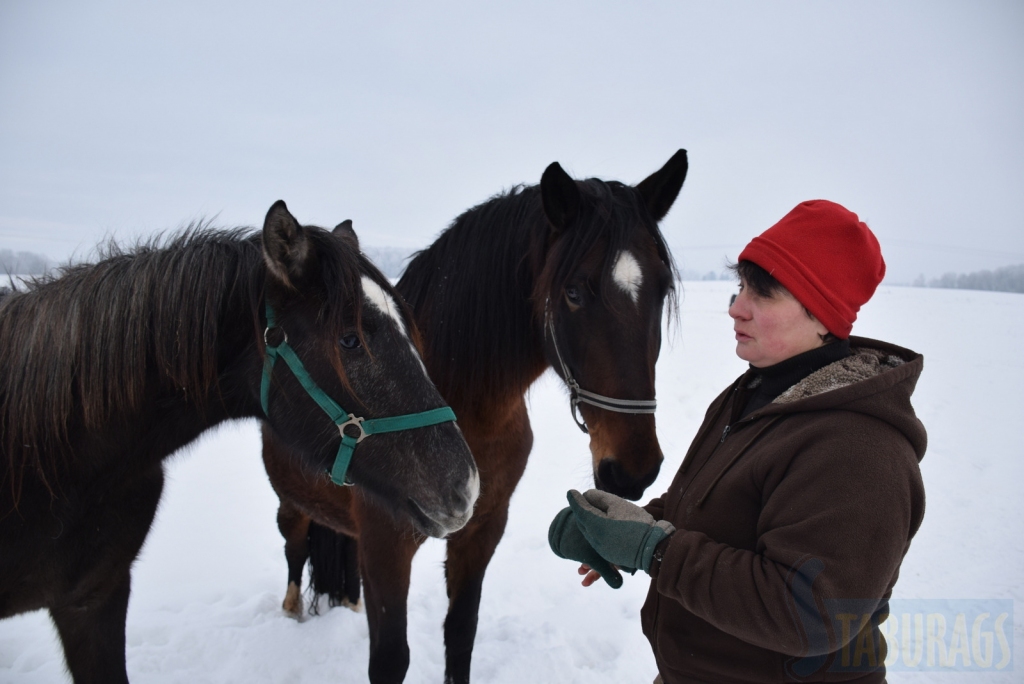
819	327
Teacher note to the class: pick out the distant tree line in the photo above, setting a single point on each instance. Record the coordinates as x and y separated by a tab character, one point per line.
23	263
1005	279
689	274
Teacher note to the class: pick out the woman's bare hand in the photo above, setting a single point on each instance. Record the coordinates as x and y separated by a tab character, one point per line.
591	575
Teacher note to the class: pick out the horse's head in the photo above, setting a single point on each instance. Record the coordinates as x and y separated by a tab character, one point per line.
357	343
606	275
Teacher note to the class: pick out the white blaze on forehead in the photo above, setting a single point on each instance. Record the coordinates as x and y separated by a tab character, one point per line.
380	299
627	275
376	295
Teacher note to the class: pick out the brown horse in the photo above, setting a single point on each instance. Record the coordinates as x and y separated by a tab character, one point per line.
113	366
569	274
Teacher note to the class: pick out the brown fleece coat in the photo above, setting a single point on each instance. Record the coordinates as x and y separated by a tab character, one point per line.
790	521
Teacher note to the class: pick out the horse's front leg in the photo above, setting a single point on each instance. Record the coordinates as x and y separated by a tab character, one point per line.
90	614
294	527
385	561
501	453
352	585
469	553
92	630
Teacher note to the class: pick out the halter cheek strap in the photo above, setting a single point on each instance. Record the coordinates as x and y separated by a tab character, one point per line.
579	395
340	417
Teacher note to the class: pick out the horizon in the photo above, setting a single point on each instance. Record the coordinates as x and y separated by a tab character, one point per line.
125	120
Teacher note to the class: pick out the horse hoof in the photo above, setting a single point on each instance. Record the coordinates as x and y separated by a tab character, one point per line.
293	601
355	607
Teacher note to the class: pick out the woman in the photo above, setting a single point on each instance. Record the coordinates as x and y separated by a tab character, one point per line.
774	552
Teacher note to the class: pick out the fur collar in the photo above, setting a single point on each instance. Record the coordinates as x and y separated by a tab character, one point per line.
862	363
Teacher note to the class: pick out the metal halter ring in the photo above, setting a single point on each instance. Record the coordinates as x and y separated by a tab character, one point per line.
358	422
266	331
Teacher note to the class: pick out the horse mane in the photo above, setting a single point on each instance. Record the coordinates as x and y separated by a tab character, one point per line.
89	344
481	286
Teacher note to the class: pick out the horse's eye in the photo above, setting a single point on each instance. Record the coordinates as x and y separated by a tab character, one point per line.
350	342
573	295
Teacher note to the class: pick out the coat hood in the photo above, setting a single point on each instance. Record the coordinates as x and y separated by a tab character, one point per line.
877	379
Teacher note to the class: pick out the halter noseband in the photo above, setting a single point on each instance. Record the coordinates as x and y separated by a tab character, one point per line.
341	418
577	394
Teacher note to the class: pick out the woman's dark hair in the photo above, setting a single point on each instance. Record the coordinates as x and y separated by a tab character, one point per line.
765	285
757	279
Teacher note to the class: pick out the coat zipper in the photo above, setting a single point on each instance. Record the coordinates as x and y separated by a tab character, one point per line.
721	473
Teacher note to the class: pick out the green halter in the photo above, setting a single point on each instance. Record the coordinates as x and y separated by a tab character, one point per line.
341	418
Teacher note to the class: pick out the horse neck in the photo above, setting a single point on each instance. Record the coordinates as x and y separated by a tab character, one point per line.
231	388
472	299
114	363
200	352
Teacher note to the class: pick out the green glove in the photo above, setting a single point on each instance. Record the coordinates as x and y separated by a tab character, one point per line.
623	533
567	541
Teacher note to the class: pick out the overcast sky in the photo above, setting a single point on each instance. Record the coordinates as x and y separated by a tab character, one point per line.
126	118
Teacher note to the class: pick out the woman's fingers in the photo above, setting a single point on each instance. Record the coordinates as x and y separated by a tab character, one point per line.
591	575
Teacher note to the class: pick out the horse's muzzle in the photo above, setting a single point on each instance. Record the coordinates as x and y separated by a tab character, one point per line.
612	477
440	521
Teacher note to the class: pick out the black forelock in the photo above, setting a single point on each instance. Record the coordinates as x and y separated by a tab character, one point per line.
610	213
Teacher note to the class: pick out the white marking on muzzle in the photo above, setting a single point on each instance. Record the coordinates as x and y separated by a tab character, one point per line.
473	488
627	275
456	521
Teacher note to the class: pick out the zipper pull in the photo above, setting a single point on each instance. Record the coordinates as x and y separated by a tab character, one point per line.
725	433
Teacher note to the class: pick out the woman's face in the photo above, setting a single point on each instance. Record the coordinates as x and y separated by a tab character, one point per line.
772	329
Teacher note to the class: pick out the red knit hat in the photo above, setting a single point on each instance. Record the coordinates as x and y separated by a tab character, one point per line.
826	257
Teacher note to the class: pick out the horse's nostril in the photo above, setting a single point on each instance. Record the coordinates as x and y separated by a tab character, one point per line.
612	477
608	471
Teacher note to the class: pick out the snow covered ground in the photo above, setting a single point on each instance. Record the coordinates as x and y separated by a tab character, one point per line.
208	586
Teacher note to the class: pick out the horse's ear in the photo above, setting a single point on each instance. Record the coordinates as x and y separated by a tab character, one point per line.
560	196
286	246
345	231
660	189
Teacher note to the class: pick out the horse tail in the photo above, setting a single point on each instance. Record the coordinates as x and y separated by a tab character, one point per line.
333	568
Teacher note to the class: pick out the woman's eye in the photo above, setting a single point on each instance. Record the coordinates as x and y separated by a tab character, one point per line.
350	342
573	295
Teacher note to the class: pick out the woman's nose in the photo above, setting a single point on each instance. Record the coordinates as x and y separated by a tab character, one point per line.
739	308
